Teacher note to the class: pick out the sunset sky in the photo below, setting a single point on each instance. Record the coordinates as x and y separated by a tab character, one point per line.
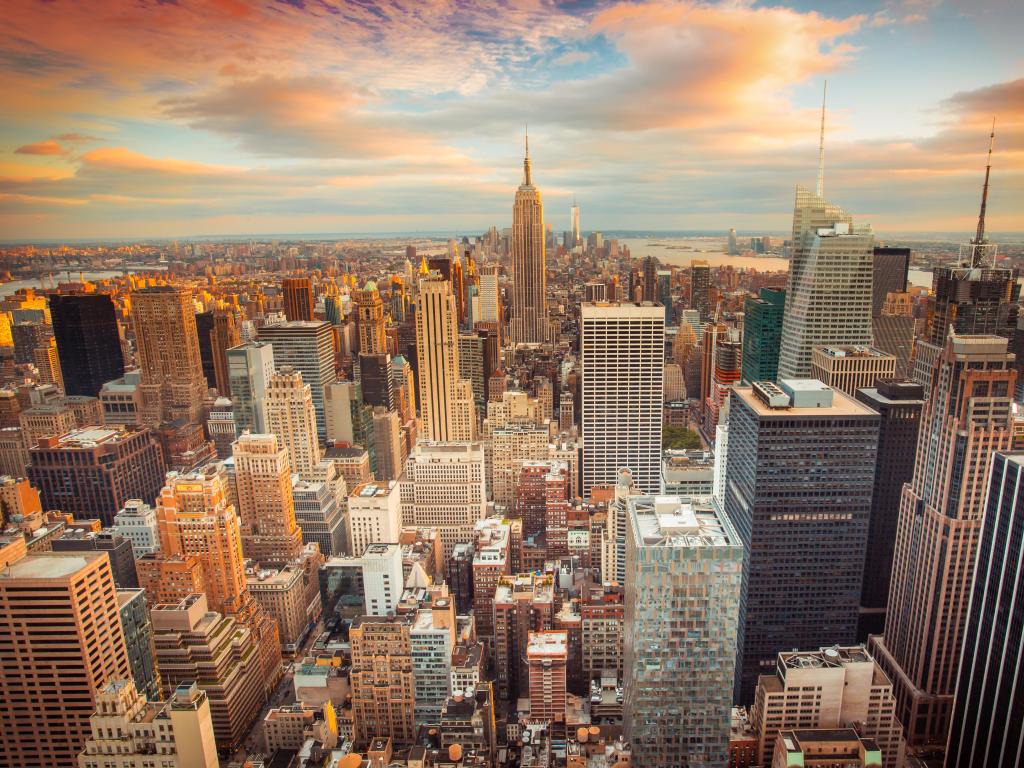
169	119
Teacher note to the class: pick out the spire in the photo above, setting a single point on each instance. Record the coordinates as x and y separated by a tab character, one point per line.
527	180
821	145
979	237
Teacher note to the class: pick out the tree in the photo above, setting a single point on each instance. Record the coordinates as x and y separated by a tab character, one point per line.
679	438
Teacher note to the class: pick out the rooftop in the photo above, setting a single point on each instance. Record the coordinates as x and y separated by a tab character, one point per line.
51	566
678	521
798	389
851	350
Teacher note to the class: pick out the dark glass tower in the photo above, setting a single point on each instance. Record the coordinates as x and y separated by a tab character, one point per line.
204	331
88	342
799	476
899	403
762	334
988	710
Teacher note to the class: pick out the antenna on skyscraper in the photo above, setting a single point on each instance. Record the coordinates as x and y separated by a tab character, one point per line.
821	144
979	236
526	160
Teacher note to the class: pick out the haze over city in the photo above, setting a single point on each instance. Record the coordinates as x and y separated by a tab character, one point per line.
155	119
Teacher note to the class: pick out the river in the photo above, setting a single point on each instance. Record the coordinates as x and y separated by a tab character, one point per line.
6	289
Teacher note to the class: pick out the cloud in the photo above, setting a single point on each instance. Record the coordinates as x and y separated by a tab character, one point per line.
571	58
77	138
41	148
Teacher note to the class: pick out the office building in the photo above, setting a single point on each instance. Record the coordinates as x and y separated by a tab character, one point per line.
828	300
800	471
381	677
136	521
546	659
374	515
376	379
204	335
263	494
62	643
445	487
894	334
88	341
47	363
973	300
369	311
289	597
522	603
298	299
216	653
381	568
432	641
388	444
623	357
447	404
117	547
291	416
121	401
700	288
682	601
848	367
967	417
732	249
250	367
762	334
988	710
224	335
833	687
93	472
529	322
320	513
899	404
490	295
307	347
130	732
138	640
48	420
173	385
826	748
888	275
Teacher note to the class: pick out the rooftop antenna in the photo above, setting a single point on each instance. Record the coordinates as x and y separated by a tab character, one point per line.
526	160
821	145
979	236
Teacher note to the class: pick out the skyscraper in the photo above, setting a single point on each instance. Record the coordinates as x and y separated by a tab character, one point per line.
88	342
173	385
650	278
62	643
250	367
683	582
623	355
733	248
224	336
446	401
574	216
700	286
292	417
889	275
370	320
529	264
298	298
828	300
966	418
383	699
263	489
988	710
762	335
799	479
490	295
308	347
899	404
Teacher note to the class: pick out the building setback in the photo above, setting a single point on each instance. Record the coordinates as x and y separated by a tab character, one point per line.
968	417
798	486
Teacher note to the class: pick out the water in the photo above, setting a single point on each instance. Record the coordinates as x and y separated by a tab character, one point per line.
8	289
680	251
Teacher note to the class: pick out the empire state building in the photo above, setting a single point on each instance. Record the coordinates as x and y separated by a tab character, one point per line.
529	267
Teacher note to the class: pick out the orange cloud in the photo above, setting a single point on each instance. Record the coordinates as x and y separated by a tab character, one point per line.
41	148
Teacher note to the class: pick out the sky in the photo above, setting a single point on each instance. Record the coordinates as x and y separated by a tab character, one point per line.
170	118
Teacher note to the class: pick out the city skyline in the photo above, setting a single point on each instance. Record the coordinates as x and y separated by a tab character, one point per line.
244	118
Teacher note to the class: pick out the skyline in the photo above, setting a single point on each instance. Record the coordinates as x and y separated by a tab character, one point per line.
169	120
